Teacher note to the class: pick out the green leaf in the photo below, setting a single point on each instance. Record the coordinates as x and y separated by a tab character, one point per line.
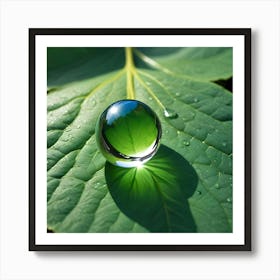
207	64
186	187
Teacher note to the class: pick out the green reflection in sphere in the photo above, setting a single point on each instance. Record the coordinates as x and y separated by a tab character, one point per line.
128	133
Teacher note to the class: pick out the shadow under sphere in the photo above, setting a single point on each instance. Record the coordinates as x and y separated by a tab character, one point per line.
156	194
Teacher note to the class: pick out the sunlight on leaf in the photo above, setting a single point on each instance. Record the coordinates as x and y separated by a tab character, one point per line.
155	195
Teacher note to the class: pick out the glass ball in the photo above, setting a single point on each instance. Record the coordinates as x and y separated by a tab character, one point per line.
128	133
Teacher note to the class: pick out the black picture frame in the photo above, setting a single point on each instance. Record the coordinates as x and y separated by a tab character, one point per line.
246	32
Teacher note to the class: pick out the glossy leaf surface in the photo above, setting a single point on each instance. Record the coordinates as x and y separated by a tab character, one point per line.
186	187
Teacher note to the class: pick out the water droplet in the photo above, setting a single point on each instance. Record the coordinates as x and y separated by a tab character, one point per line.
166	131
217	186
177	93
198	192
224	144
170	114
126	120
186	143
178	132
93	102
228	199
150	98
195	100
148	83
78	126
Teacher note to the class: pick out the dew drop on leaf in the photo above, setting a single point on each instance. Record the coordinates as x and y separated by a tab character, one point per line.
186	143
97	185
128	133
170	114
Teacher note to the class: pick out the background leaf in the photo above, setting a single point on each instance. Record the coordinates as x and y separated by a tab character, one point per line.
196	143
